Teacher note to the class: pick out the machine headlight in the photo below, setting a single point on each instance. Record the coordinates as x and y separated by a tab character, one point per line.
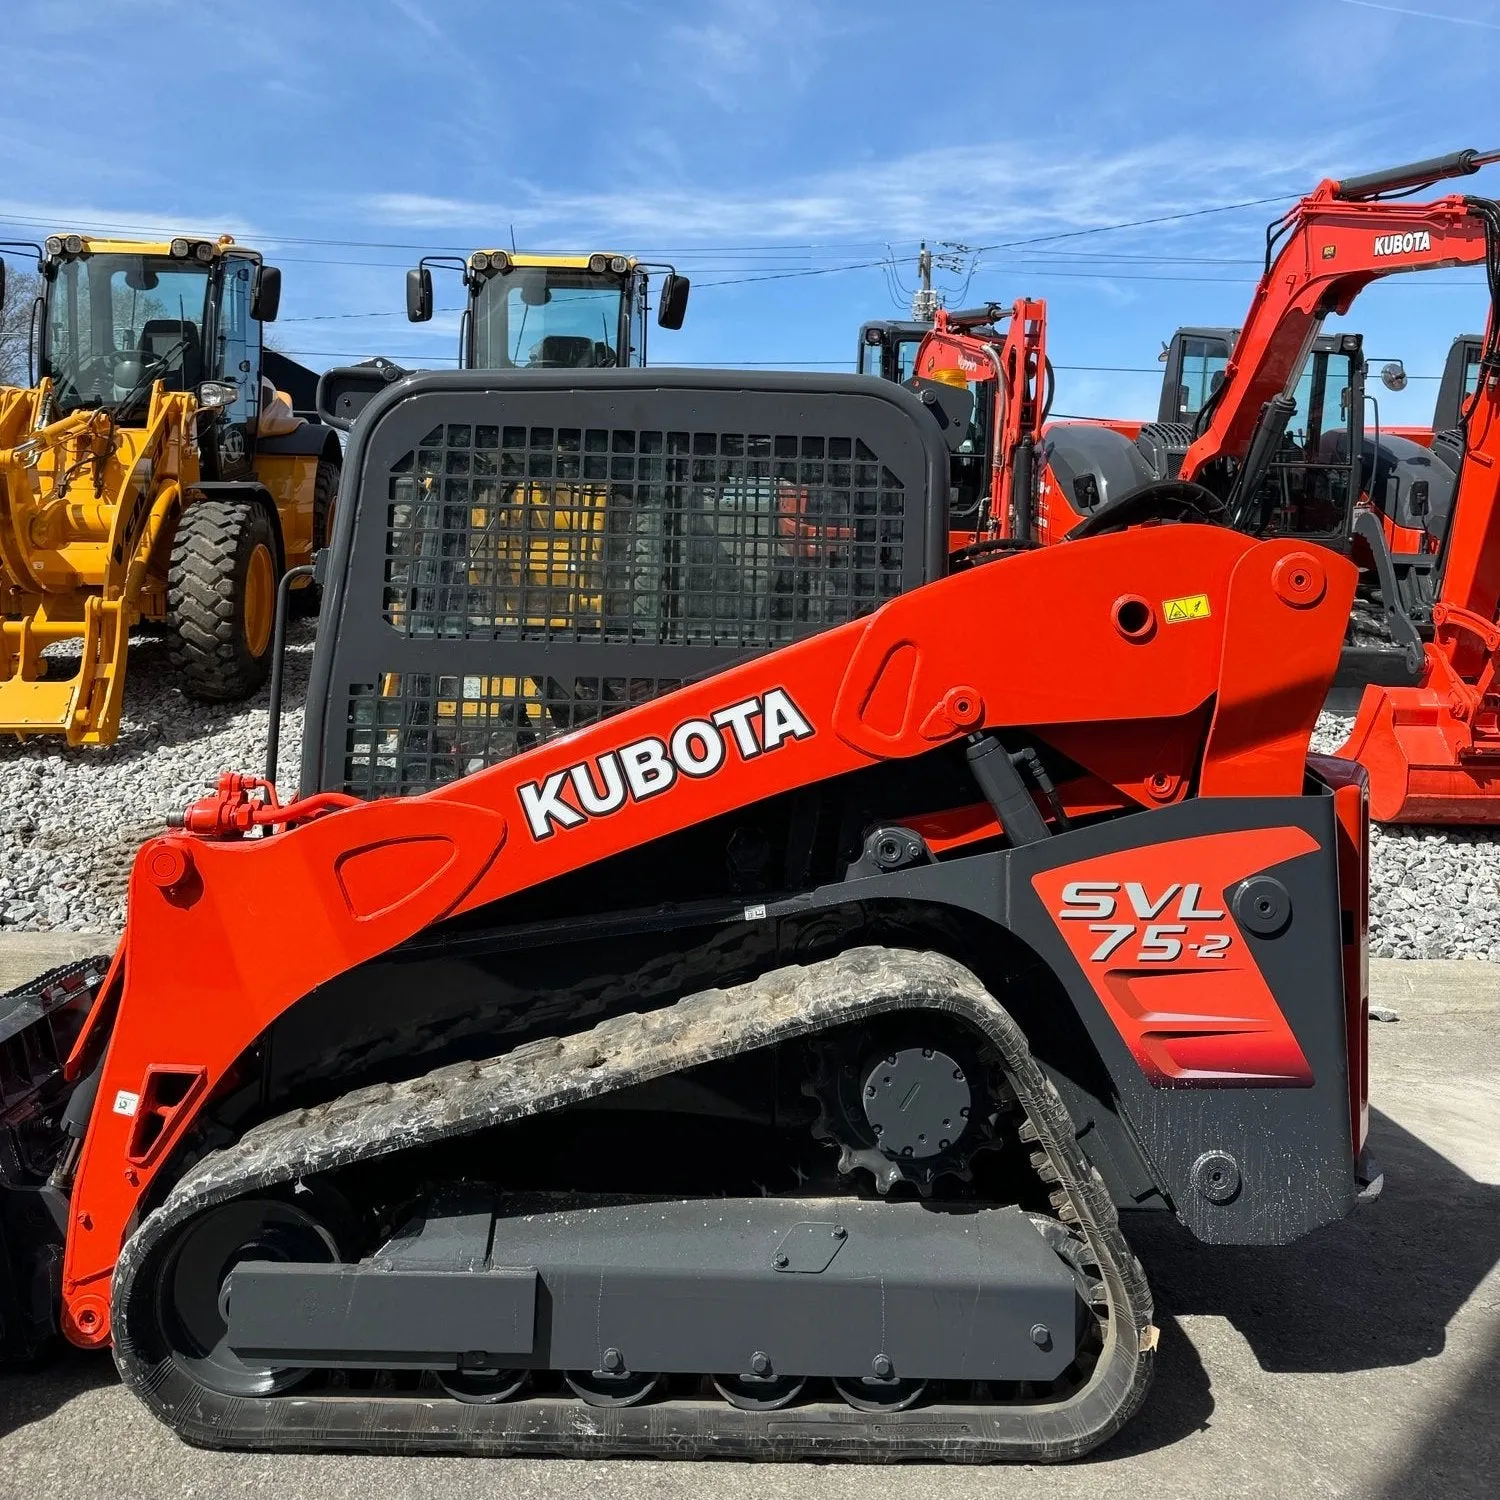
54	245
203	251
479	261
214	395
180	249
619	265
73	244
598	264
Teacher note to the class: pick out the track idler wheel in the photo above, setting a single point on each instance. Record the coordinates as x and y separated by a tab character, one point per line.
192	1292
608	1388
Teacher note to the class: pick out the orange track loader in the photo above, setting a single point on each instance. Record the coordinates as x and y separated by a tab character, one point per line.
761	1050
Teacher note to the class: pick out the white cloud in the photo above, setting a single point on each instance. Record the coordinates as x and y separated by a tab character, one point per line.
998	192
743	49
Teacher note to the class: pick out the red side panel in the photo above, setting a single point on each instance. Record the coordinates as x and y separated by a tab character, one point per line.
1152	930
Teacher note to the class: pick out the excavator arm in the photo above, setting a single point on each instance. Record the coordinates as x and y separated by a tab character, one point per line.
1319	257
968	346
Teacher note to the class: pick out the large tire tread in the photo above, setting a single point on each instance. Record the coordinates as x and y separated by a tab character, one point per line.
206	603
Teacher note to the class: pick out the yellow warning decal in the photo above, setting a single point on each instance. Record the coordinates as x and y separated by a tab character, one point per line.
1190	607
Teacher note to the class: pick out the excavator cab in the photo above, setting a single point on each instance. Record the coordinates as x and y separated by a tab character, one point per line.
1195	362
888	349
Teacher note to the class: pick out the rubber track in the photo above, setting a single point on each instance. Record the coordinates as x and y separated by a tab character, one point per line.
552	1073
201	602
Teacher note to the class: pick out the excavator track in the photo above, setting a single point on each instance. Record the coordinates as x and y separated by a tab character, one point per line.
548	1074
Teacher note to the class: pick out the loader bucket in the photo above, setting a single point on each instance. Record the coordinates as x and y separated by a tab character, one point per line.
1422	758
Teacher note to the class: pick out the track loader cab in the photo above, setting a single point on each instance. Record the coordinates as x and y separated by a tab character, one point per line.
151	474
554	312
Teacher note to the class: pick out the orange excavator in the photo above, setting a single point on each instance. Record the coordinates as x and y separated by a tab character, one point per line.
984	374
1432	747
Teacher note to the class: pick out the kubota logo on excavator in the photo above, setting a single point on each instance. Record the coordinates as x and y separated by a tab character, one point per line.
1403	244
647	767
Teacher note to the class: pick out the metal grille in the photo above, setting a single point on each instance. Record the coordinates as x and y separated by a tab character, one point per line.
412	731
521	553
620	535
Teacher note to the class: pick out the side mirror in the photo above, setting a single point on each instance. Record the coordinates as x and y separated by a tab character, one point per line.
345	390
418	295
1393	375
265	297
1418	499
671	305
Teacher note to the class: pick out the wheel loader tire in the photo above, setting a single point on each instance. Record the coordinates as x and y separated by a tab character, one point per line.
309	599
221	599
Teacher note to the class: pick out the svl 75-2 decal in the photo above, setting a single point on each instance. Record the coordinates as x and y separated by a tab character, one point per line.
1154	934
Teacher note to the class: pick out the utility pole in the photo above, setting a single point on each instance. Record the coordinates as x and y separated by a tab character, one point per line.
924	301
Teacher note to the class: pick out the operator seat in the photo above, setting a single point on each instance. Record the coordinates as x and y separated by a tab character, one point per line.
160	337
559	351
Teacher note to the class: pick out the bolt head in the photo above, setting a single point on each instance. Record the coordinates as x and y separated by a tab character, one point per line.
614	1361
1041	1335
760	1363
780	1259
882	1367
839	1232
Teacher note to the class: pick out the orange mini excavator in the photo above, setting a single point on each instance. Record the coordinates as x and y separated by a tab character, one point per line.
1432	748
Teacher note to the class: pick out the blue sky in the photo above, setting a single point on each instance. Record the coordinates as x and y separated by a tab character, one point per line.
786	153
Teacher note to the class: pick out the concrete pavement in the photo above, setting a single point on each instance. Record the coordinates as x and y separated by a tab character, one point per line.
1363	1361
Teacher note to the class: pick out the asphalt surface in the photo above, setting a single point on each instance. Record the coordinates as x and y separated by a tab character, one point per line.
1363	1361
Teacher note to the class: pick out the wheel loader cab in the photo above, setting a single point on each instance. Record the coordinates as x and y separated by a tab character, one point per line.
120	319
550	312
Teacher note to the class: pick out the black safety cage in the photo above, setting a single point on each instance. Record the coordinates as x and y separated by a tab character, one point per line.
522	553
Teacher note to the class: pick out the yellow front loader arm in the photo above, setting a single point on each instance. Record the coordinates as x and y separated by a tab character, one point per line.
83	507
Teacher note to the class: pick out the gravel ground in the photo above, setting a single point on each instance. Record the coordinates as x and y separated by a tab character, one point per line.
1433	894
71	820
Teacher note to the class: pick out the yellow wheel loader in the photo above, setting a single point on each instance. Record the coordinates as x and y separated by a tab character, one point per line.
153	472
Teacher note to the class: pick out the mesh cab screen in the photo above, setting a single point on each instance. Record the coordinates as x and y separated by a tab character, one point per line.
526	561
615	534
